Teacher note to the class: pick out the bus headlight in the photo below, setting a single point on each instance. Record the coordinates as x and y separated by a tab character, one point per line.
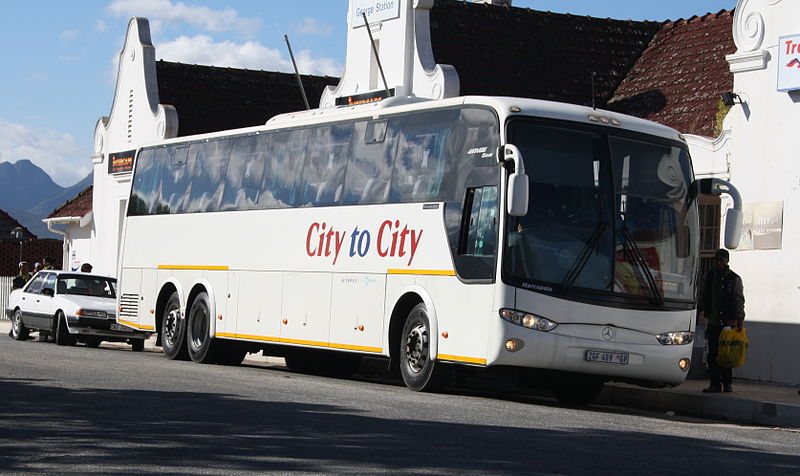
530	321
676	338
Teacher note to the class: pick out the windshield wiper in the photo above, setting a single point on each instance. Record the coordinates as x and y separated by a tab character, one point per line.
634	255
583	258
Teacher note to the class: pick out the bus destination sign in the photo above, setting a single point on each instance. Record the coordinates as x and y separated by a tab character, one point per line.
121	162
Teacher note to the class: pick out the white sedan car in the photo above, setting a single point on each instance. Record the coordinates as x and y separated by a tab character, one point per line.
73	307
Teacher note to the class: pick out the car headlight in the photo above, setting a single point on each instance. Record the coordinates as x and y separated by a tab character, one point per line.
90	313
676	338
530	321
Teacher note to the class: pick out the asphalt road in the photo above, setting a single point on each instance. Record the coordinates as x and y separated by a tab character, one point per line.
113	411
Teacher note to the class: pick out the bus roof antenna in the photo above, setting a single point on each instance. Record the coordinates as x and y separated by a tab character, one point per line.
375	52
297	73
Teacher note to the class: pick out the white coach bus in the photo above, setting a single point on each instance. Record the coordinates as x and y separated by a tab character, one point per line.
466	232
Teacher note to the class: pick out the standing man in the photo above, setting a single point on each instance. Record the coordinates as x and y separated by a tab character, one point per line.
48	263
722	304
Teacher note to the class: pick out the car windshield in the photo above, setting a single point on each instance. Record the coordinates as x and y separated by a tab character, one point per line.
607	214
86	285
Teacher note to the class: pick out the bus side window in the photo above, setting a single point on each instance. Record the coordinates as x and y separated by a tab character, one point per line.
146	182
326	160
174	180
285	156
245	172
207	180
370	169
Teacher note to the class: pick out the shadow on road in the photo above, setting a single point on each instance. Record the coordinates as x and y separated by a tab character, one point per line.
64	429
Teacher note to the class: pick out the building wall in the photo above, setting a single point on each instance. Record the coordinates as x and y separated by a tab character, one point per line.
758	154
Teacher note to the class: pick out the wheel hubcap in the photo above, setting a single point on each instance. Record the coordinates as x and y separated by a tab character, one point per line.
417	348
15	324
171	325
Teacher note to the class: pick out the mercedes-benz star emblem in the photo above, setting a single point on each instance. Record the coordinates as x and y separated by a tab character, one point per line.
609	333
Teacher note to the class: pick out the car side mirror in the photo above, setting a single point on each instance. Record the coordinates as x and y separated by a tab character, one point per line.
48	292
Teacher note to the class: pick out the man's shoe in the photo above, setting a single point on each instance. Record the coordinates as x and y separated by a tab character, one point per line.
712	390
728	390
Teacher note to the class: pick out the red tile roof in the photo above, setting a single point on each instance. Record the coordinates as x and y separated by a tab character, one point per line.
679	78
77	206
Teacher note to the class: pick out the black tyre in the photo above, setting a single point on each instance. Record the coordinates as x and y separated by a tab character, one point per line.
137	345
420	371
201	346
577	391
173	330
63	336
18	329
93	342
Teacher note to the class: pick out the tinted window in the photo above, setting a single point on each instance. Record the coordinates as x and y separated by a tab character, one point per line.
146	182
209	163
285	155
326	160
245	172
369	172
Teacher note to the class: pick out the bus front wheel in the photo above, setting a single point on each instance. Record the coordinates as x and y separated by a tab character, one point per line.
420	371
173	330
201	346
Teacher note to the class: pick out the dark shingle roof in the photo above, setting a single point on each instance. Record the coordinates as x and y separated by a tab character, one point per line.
529	53
212	99
77	206
679	78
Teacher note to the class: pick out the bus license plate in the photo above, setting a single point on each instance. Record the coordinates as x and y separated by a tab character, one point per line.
120	327
609	357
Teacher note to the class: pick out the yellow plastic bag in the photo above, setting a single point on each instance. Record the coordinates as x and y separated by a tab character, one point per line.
732	347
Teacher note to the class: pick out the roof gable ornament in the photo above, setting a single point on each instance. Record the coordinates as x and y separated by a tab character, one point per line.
749	29
136	116
401	32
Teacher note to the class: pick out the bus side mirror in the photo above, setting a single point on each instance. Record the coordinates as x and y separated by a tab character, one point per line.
517	202
734	217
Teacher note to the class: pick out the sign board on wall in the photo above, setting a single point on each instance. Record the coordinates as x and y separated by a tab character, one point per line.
762	227
376	11
789	63
121	162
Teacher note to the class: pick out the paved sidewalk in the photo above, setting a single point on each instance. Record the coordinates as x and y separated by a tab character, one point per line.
753	403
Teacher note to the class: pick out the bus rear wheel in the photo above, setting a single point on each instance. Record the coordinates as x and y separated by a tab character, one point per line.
420	371
201	346
173	330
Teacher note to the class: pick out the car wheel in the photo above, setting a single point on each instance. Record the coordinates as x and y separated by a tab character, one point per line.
420	371
18	329
63	336
137	345
201	346
173	330
93	342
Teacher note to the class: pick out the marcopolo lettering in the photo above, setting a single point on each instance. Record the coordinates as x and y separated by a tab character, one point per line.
393	239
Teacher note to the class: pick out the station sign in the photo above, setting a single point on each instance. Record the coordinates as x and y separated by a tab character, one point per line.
789	63
121	162
375	10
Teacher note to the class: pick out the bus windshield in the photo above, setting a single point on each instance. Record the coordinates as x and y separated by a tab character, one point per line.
608	215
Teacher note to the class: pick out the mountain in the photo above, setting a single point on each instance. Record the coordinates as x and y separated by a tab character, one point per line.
28	194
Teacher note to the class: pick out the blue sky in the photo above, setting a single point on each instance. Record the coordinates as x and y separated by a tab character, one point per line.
58	56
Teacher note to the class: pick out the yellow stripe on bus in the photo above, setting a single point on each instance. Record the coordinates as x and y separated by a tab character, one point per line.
312	343
458	358
191	267
137	326
430	272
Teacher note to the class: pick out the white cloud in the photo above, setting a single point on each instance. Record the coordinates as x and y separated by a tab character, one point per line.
201	49
54	152
197	16
69	35
100	26
310	26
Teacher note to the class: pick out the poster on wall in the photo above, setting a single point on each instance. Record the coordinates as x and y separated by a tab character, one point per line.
789	63
762	227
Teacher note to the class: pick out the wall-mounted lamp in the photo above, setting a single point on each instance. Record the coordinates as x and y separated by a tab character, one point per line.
729	98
